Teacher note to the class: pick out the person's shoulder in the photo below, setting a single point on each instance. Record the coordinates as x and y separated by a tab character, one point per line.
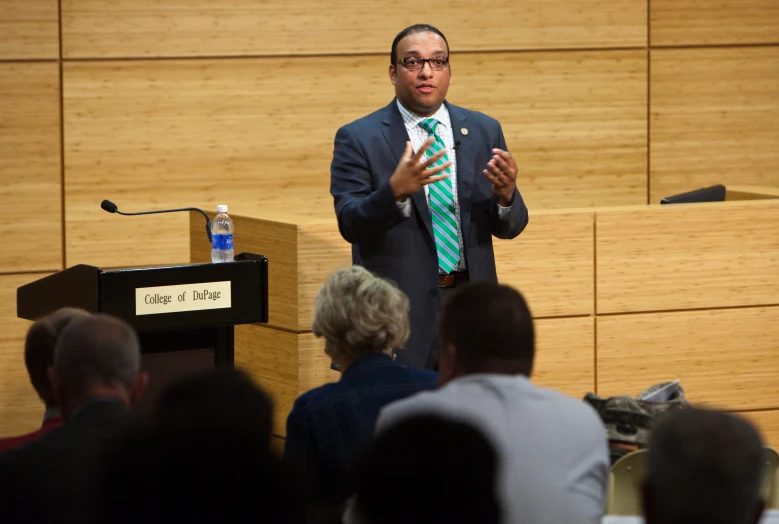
470	114
315	397
370	120
575	411
423	376
420	403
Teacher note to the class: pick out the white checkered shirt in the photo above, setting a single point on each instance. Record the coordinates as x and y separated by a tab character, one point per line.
418	135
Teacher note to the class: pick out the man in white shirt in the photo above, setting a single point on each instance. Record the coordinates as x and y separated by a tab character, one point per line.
552	449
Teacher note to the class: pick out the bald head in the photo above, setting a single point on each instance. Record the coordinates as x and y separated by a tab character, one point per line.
97	350
704	466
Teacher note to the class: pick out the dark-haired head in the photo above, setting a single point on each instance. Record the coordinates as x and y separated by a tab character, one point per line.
704	466
39	348
416	28
428	469
485	328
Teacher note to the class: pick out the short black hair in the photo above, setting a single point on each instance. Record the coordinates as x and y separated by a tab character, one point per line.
222	398
412	30
428	469
704	466
39	347
488	322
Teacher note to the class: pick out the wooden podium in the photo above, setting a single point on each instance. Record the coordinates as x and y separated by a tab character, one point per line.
184	315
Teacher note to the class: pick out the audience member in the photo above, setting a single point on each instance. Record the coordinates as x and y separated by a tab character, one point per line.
428	469
216	398
705	467
204	459
552	450
362	318
38	357
95	379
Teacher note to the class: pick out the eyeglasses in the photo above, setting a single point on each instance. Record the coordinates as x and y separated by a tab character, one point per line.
412	63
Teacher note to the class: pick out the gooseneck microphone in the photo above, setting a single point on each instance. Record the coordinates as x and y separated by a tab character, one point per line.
109	206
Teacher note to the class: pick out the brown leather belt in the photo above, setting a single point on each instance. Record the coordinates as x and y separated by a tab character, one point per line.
452	279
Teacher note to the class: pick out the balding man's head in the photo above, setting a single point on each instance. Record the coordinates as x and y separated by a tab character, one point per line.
99	355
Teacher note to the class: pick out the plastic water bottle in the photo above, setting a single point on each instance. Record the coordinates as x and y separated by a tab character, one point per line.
222	236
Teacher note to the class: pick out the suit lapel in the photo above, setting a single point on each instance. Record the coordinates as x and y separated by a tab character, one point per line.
397	136
466	171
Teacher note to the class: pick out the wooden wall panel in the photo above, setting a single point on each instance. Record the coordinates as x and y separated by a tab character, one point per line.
21	410
575	121
724	357
270	357
768	424
684	257
565	355
167	134
714	118
714	22
96	28
29	29
30	194
174	133
551	263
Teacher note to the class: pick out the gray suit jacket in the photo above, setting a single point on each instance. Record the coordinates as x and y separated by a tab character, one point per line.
402	249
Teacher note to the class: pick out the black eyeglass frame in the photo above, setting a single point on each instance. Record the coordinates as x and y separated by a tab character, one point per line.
423	61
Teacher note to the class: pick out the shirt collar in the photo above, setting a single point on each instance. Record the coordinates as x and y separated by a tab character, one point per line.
412	120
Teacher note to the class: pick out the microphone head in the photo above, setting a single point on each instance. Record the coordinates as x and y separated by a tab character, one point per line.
108	206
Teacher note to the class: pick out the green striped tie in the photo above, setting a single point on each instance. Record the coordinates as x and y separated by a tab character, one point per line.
442	212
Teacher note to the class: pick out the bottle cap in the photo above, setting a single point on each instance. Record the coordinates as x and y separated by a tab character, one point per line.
221	208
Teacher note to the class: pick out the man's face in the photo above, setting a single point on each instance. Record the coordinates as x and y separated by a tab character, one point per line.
422	91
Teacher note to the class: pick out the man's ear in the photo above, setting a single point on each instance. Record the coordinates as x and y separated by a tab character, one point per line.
139	387
393	74
55	383
448	364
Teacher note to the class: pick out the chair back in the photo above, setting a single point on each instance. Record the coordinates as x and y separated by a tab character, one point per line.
627	475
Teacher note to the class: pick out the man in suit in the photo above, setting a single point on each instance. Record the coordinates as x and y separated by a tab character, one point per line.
95	379
421	186
38	357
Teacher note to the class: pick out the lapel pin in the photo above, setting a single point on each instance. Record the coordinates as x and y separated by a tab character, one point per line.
464	131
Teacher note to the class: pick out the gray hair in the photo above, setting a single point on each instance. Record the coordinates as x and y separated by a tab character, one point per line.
705	466
98	348
359	313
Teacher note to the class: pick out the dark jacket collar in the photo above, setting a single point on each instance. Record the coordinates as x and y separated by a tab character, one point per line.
367	363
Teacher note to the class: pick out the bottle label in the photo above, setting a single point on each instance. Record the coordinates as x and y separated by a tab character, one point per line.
221	241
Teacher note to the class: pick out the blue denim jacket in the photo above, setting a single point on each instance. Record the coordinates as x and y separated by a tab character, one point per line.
329	425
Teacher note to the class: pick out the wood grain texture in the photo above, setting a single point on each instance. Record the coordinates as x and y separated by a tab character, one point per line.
149	28
182	132
691	256
768	424
726	358
21	411
169	134
30	195
30	29
714	118
714	22
551	263
270	357
565	355
575	121
284	364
